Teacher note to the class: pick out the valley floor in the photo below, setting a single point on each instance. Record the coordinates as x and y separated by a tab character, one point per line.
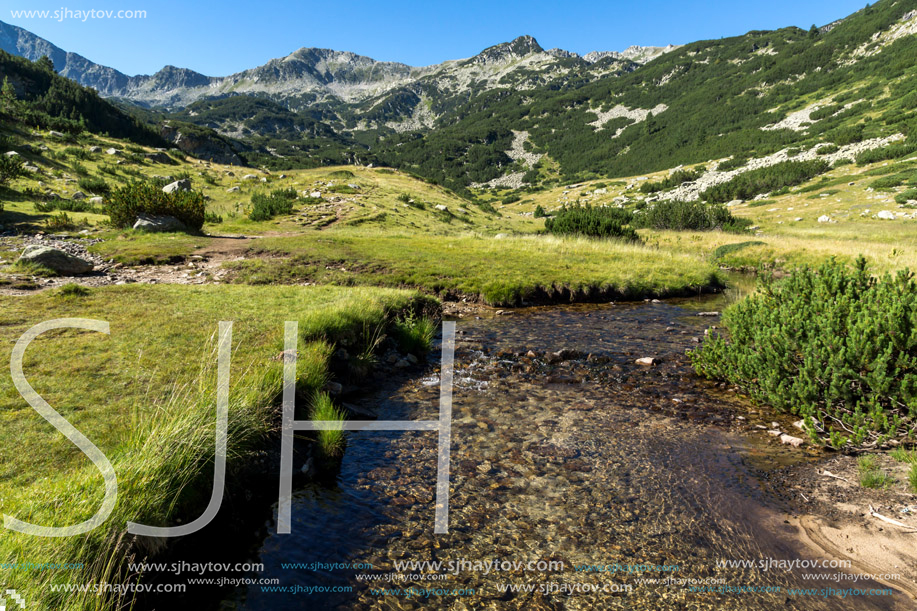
370	245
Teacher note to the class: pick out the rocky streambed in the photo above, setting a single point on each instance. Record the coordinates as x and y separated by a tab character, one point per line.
566	452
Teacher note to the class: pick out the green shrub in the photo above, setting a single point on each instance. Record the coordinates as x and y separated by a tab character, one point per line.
905	196
696	215
539	212
94	185
67	205
266	207
671	181
749	184
10	167
585	220
77	153
135	198
887	183
846	135
732	163
511	199
827	150
825	112
835	345
60	222
893	151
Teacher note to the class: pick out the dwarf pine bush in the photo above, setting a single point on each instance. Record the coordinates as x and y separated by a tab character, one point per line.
599	222
834	345
266	207
135	198
684	216
762	180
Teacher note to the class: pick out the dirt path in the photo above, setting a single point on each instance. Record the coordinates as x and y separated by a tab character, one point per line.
204	266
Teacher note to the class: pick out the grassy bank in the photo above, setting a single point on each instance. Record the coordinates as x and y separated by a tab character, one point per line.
502	270
145	396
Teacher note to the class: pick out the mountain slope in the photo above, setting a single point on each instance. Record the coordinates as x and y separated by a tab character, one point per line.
516	114
45	99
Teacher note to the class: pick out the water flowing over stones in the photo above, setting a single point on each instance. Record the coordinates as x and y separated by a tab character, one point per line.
563	449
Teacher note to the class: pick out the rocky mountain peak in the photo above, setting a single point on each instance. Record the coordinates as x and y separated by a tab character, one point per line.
518	48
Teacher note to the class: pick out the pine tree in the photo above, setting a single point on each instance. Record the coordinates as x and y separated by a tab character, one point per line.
44	62
7	96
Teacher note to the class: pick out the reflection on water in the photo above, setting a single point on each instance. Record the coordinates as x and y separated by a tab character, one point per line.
589	459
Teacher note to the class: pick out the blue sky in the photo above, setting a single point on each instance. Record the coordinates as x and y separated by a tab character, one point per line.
225	37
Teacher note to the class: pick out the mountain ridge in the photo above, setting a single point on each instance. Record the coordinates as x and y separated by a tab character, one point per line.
307	74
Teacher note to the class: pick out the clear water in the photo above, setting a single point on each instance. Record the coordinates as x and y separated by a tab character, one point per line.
587	461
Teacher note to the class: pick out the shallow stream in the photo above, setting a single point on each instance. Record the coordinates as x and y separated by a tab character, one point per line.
591	459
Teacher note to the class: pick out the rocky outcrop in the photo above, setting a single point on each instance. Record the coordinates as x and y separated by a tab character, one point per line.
198	143
179	185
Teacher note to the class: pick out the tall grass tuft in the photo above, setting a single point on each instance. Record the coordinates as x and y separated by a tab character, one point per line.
871	476
330	442
414	333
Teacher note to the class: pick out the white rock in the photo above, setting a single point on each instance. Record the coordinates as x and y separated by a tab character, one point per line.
790	440
647	361
824	219
886	215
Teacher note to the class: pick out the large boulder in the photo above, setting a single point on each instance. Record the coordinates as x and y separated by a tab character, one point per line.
156	224
159	157
179	185
56	260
